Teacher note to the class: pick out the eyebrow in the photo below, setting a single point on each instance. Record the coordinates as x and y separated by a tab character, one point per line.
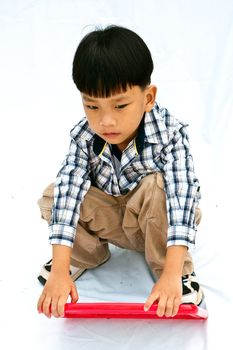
117	99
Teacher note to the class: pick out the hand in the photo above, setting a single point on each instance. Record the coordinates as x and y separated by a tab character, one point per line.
167	291
55	294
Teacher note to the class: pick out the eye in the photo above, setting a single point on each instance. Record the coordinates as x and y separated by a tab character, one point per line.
121	106
92	107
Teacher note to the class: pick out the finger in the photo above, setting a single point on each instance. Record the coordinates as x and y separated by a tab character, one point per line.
74	295
169	307
161	307
40	302
46	306
54	308
61	306
176	306
150	301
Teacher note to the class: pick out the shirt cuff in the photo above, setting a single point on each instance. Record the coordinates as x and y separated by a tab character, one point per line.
62	234
181	235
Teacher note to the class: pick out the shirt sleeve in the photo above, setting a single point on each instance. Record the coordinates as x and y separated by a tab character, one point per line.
71	185
182	190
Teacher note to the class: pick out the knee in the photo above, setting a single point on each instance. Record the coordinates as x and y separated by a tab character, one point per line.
46	202
149	198
152	180
198	216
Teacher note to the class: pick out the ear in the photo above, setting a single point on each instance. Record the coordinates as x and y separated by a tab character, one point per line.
150	96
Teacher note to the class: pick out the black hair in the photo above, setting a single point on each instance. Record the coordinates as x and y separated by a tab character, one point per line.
109	60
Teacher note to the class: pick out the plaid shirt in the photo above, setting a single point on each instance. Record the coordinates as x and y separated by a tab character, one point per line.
161	145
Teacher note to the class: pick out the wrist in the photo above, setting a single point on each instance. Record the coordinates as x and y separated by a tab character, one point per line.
170	273
174	261
59	268
58	273
61	260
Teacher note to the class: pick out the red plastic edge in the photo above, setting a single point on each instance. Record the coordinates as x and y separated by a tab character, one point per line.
129	310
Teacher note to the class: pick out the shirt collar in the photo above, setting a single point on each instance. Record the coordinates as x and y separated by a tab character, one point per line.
155	126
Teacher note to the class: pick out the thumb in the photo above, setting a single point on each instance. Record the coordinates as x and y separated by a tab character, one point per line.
150	300
74	294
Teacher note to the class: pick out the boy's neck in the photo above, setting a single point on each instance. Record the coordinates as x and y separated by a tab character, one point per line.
116	151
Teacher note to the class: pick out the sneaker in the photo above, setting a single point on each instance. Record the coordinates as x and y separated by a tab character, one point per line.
75	272
192	292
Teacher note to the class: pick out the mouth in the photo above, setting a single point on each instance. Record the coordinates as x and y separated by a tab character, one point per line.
111	134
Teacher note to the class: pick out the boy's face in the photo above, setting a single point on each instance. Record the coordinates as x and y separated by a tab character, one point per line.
116	118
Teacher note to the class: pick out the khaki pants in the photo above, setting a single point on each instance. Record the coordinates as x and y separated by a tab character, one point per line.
136	221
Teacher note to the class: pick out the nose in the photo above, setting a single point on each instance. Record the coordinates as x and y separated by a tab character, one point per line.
107	120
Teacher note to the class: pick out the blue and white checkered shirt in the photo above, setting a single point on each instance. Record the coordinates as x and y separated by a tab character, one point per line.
161	145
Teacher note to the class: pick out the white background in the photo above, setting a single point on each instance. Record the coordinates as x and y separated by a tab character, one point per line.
191	44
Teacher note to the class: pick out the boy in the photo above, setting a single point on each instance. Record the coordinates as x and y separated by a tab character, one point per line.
128	179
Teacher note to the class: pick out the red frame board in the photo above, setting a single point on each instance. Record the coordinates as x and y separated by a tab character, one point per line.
129	310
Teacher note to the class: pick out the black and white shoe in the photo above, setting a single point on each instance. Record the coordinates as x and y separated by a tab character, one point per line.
192	292
75	272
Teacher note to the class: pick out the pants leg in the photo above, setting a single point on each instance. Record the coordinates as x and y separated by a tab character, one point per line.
145	223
